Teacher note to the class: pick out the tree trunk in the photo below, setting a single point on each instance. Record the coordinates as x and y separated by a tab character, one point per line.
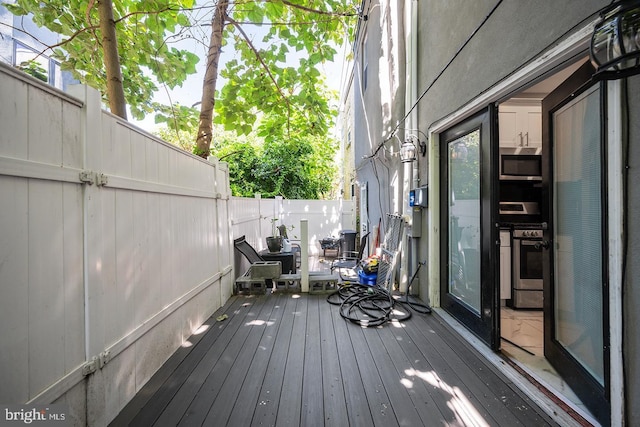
115	89
205	129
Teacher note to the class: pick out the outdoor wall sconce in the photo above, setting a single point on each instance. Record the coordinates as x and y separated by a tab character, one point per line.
615	44
408	149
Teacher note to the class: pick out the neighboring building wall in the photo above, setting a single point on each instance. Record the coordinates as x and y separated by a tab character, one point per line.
21	34
347	160
6	42
378	95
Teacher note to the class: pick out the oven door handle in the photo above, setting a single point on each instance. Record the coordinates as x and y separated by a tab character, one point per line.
543	244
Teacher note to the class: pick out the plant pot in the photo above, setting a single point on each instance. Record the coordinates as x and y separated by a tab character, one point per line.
274	243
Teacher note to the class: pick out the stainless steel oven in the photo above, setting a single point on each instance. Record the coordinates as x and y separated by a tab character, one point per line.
527	268
520	164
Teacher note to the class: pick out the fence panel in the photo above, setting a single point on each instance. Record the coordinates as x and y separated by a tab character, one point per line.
115	247
252	217
41	239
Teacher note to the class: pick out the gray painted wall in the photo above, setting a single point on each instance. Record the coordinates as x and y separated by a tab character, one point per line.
631	292
517	32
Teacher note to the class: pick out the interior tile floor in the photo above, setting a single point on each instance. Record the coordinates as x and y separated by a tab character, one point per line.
522	333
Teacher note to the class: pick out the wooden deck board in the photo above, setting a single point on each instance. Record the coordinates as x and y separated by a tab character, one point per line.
406	357
235	360
286	359
312	396
290	402
358	413
335	408
152	400
251	360
377	397
269	392
506	403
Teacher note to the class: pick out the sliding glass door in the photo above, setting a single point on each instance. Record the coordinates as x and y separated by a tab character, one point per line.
469	210
575	256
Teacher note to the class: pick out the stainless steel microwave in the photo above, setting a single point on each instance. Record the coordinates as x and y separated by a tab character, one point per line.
522	164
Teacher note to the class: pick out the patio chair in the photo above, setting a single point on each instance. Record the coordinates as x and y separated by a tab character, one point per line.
247	250
350	260
256	285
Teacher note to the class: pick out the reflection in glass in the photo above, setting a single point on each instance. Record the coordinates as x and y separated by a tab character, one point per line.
464	219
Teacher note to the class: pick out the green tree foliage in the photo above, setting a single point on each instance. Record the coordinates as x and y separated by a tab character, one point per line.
295	169
262	78
144	29
273	77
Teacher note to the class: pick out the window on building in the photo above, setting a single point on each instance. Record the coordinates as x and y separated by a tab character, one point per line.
365	63
37	65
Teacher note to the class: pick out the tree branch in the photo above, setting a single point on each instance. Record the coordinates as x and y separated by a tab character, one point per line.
308	9
264	65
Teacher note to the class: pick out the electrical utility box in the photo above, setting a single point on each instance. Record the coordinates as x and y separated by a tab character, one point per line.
418	199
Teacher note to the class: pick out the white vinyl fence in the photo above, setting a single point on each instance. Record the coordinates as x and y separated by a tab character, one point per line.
114	248
253	218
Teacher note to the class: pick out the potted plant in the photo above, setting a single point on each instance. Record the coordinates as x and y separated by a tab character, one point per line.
274	242
286	243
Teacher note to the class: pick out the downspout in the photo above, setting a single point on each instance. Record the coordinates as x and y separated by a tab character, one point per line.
413	80
407	168
411	95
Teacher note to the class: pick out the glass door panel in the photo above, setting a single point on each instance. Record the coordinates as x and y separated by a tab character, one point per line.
469	207
578	231
574	258
464	219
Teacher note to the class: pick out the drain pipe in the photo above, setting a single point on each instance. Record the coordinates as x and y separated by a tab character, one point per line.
413	121
409	259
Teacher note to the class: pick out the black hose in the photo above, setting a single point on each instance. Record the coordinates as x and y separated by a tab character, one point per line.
417	306
373	305
369	305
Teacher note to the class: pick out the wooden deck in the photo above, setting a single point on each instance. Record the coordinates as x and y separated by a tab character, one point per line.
283	359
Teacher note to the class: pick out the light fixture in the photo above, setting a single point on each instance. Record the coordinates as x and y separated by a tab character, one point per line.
407	152
408	149
615	44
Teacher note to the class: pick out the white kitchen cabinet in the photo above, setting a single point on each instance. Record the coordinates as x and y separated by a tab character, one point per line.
505	264
520	124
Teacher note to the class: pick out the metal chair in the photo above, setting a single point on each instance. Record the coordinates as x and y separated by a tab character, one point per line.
349	259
